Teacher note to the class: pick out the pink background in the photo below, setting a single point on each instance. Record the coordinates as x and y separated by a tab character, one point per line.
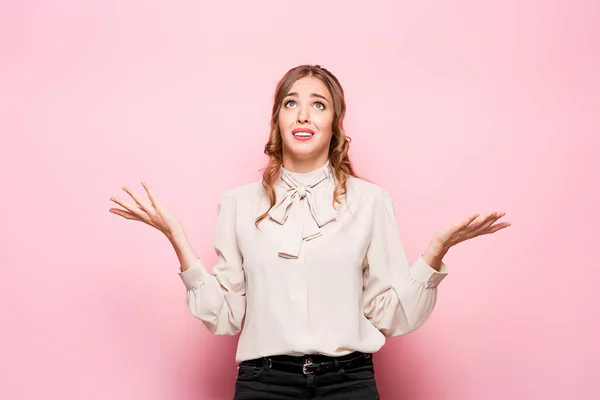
454	107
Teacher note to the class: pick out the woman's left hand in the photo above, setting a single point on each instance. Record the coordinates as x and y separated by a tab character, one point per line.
469	228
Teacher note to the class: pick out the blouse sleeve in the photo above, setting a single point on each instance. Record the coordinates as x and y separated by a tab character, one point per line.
397	297
218	298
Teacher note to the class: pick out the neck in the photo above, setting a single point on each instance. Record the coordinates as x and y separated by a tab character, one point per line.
304	165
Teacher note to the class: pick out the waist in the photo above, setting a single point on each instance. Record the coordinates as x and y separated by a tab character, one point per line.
312	363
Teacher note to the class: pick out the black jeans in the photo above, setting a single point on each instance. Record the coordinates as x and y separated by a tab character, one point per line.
282	377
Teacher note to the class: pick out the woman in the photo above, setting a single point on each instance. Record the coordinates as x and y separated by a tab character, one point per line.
311	270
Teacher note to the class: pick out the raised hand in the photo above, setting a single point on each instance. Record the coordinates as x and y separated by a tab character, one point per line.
469	228
152	213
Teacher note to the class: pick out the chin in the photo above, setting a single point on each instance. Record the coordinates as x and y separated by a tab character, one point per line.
303	150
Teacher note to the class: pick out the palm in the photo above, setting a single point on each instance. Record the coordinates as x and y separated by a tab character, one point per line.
471	227
152	213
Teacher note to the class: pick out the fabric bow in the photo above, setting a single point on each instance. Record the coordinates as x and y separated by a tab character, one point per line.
303	210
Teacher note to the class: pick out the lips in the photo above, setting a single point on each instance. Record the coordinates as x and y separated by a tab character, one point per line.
303	133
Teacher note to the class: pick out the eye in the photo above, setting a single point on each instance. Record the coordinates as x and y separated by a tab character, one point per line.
289	103
319	105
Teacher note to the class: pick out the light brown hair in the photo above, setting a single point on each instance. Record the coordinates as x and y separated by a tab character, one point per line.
338	147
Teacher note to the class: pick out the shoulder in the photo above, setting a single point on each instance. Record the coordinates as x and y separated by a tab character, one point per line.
243	193
366	190
240	199
366	200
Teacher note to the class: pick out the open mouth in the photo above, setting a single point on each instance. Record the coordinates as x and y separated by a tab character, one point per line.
303	133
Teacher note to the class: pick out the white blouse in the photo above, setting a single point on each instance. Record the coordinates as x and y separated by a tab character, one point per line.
311	278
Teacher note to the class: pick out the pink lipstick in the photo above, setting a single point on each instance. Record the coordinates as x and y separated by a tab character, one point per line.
303	134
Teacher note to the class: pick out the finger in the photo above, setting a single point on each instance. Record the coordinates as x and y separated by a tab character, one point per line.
481	222
496	228
151	196
461	229
478	225
466	222
130	207
490	220
144	206
124	214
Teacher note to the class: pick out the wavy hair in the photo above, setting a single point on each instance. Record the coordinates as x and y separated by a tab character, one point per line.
338	146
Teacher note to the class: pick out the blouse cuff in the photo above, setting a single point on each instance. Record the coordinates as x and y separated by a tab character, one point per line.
194	276
425	275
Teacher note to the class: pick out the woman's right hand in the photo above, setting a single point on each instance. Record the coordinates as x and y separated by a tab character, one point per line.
153	213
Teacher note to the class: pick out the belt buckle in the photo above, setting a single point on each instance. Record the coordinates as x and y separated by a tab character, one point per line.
307	363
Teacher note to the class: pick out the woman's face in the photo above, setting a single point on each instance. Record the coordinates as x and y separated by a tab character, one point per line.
305	122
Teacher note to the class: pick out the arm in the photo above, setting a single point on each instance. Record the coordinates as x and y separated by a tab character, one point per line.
183	248
397	297
216	298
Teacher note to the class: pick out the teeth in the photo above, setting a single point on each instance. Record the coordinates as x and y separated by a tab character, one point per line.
303	134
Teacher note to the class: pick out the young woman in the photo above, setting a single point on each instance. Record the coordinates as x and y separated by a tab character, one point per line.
311	269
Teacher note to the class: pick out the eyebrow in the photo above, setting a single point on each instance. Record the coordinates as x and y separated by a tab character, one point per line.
294	94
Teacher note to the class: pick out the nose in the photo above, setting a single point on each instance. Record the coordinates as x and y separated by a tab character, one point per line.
303	115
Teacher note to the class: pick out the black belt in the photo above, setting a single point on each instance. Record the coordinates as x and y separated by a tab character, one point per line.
307	366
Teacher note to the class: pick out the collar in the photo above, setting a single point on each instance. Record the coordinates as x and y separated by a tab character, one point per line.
304	206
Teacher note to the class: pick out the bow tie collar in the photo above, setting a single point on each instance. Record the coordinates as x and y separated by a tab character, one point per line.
304	206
